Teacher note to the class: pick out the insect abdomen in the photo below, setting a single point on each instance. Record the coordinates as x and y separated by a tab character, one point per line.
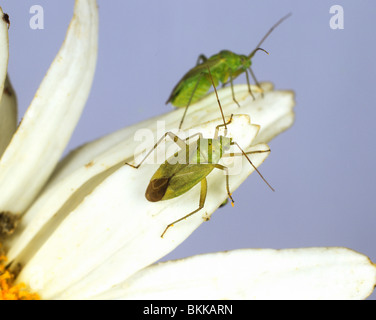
181	98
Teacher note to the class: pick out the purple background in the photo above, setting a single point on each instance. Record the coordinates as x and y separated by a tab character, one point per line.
323	168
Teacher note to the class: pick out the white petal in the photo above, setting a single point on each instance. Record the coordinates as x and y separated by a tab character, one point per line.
273	112
8	115
121	142
50	120
311	273
115	231
96	158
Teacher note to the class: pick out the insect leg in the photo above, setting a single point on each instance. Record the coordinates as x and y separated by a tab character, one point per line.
191	152
201	59
232	90
216	133
249	85
216	94
236	154
203	192
190	99
173	137
199	134
193	92
219	166
255	80
254	167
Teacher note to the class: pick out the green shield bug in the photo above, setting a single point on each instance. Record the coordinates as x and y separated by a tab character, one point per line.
195	160
225	66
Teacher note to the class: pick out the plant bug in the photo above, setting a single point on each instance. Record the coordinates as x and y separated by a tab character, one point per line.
225	66
192	164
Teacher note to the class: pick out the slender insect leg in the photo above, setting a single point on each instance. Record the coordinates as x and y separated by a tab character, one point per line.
236	154
173	137
219	166
203	192
201	59
255	80
254	167
216	133
232	90
199	134
216	94
190	99
249	85
191	153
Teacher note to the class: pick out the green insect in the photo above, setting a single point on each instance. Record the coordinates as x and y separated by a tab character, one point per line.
191	165
225	66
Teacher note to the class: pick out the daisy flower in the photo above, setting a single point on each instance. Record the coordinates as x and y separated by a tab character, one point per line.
81	227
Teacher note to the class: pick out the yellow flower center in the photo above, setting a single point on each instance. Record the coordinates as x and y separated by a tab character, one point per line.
9	290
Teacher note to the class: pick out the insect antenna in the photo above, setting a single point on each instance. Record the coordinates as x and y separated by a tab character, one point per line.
257	49
254	167
267	35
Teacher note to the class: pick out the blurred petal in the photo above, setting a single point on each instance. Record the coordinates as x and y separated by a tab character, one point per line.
105	234
8	115
52	116
4	50
311	273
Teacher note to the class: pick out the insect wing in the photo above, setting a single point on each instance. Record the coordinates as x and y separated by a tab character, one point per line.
160	181
187	83
186	179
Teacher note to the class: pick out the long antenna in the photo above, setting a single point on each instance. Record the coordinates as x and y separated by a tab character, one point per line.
268	33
